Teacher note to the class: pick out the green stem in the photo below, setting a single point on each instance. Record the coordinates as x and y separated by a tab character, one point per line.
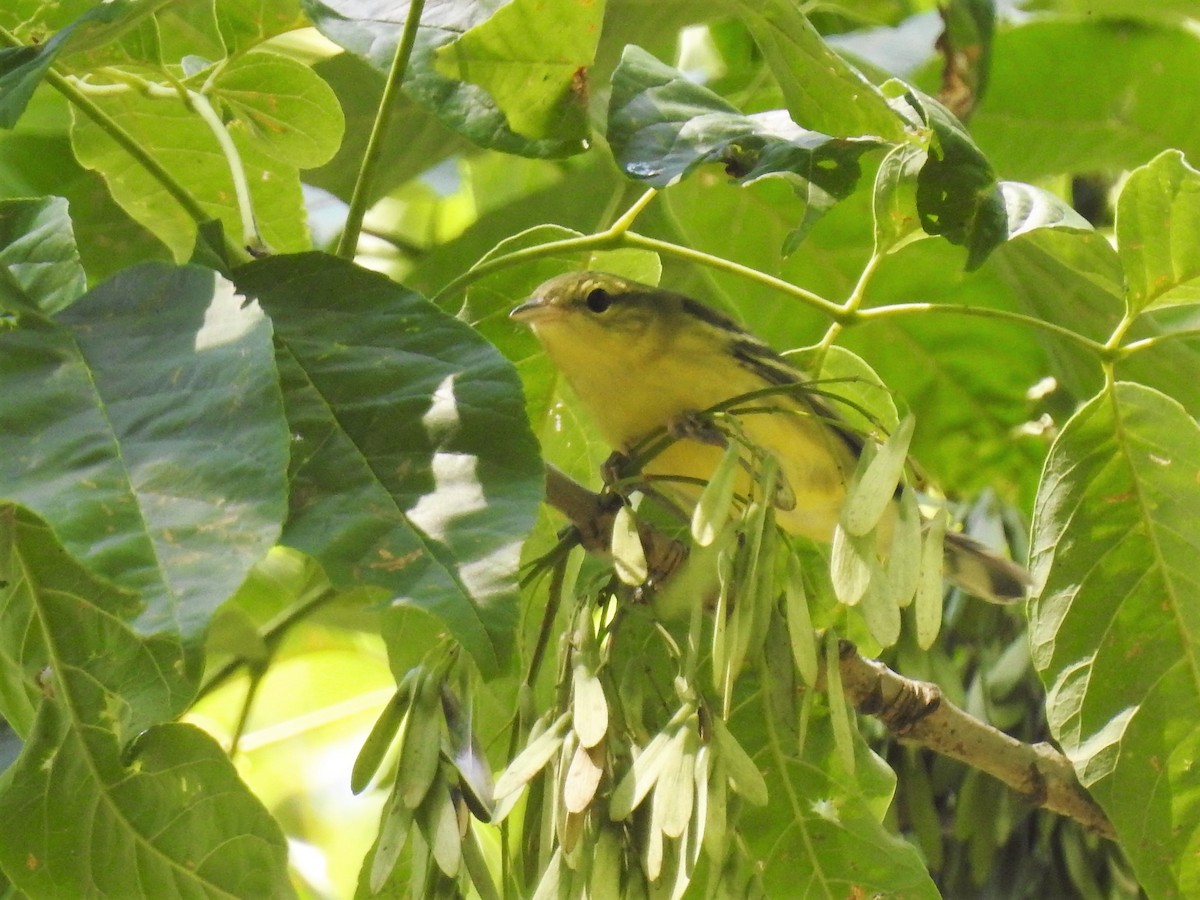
984	312
371	156
271	634
610	236
851	307
833	310
131	146
233	160
1154	340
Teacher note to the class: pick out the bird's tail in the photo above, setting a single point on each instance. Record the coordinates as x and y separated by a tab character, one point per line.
978	571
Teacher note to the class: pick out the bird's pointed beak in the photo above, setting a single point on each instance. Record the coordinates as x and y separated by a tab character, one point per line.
531	311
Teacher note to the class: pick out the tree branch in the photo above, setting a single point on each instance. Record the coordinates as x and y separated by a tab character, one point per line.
917	712
914	711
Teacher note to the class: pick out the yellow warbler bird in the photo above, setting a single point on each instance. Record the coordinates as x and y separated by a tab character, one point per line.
642	359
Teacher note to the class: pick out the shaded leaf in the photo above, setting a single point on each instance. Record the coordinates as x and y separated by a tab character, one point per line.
175	819
22	68
37	249
413	467
662	126
958	194
149	412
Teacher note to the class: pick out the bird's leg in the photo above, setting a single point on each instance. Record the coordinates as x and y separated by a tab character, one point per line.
695	426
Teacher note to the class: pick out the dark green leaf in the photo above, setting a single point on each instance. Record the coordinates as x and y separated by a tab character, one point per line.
150	413
175	822
22	68
662	126
413	467
1115	625
169	811
958	195
372	32
37	248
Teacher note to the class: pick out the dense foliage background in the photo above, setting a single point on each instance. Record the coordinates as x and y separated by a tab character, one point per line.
272	455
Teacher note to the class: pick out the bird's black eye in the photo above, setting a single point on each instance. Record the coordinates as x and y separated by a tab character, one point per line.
598	300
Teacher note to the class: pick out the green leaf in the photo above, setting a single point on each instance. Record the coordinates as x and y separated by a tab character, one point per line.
169	808
372	32
958	195
832	843
1050	109
532	59
406	152
188	149
37	249
149	412
413	467
1158	233
22	68
662	127
823	91
65	635
1115	624
282	107
1121	10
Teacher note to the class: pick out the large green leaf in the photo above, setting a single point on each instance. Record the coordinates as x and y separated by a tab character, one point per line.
184	145
1158	233
372	32
1051	109
80	685
532	59
413	467
1115	624
149	413
662	126
37	249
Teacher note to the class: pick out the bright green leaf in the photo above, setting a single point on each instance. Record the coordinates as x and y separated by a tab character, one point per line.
187	148
282	107
532	58
372	32
1115	625
1051	109
1158	233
